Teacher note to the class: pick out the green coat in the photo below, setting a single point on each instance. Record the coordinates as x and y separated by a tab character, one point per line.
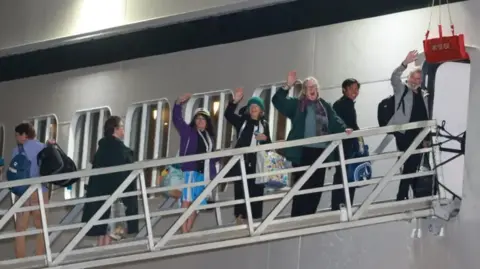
289	107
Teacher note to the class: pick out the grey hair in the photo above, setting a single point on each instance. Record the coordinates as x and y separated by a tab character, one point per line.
415	71
304	85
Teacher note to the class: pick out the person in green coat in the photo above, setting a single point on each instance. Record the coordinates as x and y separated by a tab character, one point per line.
310	116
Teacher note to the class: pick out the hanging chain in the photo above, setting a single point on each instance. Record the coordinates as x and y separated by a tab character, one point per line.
430	21
452	27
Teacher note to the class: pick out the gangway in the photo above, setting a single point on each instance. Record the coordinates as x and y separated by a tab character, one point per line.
274	226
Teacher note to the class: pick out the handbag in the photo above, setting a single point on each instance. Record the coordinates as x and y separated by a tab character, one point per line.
269	161
172	176
444	48
359	171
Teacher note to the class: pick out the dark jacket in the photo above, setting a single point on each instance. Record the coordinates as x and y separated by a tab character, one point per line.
290	108
189	141
111	152
345	109
238	120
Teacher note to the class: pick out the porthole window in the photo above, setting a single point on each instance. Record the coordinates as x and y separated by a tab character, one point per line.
45	127
279	125
86	129
147	130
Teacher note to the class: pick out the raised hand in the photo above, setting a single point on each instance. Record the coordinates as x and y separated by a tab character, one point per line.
238	95
411	57
291	78
184	98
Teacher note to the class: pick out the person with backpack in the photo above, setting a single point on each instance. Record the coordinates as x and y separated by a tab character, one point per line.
411	105
252	129
345	109
111	152
22	166
196	137
311	116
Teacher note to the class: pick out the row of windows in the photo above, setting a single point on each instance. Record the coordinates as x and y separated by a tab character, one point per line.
148	128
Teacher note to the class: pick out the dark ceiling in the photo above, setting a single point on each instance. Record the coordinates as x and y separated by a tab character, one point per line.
228	28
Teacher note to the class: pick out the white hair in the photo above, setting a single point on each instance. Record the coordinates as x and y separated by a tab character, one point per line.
304	85
415	71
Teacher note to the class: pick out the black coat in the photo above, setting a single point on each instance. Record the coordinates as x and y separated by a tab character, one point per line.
345	109
111	152
238	120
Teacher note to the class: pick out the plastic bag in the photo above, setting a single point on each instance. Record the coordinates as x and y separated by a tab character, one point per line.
268	162
172	176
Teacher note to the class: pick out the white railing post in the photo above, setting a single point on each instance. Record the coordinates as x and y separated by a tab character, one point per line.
197	202
168	203
18	203
293	191
246	194
108	203
386	179
346	189
43	216
146	210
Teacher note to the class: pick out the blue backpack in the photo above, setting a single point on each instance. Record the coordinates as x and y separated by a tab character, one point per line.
19	169
359	171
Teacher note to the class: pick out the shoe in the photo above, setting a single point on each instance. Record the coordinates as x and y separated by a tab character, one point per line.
118	234
240	220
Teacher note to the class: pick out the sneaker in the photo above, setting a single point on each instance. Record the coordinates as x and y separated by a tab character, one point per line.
240	221
118	234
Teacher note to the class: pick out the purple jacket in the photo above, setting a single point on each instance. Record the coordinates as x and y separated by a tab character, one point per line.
189	141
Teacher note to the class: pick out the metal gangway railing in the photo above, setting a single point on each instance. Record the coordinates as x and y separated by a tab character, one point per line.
274	226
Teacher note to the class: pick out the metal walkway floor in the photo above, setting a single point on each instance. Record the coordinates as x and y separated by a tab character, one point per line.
229	236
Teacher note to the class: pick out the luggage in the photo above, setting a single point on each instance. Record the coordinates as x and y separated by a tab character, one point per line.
268	162
359	171
52	160
386	108
172	176
19	169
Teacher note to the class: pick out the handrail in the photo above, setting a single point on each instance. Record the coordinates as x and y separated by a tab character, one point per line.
218	154
154	190
253	229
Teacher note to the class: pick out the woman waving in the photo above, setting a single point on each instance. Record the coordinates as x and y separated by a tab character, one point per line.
196	137
252	129
311	116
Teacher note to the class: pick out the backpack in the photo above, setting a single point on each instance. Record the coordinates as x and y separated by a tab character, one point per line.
52	160
19	169
386	108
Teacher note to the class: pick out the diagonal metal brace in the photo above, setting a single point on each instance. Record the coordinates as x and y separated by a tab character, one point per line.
20	201
301	181
386	179
174	228
108	203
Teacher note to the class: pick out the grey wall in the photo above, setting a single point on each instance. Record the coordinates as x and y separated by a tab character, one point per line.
367	50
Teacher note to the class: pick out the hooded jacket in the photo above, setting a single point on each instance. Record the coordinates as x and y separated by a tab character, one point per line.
189	141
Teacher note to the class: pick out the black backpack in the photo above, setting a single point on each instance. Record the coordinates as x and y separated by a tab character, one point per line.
52	160
386	108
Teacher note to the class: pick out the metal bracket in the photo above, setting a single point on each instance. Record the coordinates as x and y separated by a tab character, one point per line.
446	209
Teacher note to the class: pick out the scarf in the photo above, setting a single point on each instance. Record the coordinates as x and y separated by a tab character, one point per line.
321	117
